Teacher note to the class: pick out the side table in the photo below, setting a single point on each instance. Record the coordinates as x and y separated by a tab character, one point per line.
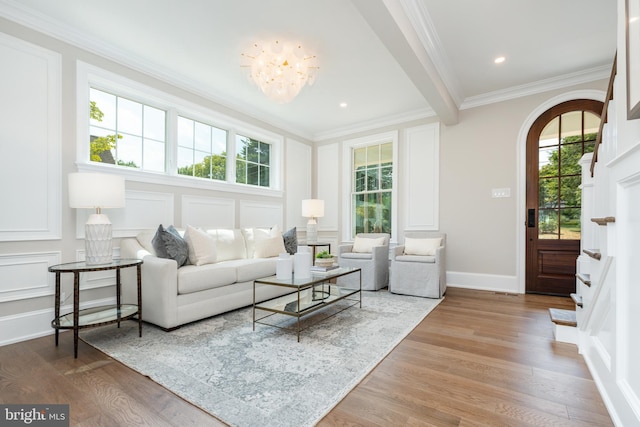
314	246
95	316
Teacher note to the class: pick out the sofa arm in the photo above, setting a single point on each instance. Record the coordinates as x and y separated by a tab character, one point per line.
396	251
343	249
159	285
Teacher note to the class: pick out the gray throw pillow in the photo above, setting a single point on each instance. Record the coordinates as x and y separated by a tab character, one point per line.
169	244
290	241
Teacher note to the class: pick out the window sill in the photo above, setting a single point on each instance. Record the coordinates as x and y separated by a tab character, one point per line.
178	180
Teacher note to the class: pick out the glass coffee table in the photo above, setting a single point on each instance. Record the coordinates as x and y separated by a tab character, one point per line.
307	296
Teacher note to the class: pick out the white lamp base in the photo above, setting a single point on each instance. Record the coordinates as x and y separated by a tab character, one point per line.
312	231
97	243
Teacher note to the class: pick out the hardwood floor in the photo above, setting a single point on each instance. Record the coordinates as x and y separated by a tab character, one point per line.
479	359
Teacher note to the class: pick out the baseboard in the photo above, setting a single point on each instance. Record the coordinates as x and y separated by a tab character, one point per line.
35	324
483	282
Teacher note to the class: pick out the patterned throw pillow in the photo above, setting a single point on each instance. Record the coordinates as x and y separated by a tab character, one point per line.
169	244
291	241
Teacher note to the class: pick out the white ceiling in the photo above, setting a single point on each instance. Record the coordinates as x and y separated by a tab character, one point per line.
390	60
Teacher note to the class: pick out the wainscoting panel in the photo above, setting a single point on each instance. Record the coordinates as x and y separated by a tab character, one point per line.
26	275
328	185
208	212
144	210
260	214
30	107
298	182
420	177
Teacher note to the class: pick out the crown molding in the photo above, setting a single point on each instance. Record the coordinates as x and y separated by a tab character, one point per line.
541	86
373	124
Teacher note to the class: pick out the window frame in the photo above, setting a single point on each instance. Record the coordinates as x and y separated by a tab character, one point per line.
92	76
348	149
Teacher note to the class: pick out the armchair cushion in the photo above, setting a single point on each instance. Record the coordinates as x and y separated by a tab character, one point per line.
417	246
416	258
365	245
357	255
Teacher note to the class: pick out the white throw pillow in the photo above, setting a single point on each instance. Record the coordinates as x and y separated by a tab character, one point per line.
269	247
365	245
426	247
202	246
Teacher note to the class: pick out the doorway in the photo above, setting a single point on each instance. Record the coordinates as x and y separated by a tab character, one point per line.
555	143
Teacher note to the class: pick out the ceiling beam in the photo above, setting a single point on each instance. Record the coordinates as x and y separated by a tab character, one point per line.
390	22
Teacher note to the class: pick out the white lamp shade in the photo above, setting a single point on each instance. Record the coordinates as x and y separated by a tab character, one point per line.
96	190
313	208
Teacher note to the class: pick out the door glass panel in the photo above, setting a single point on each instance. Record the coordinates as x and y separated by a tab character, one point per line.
548	165
548	193
571	127
570	192
570	155
570	224
548	224
591	126
549	135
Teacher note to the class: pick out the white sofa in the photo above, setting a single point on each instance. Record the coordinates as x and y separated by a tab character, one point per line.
173	296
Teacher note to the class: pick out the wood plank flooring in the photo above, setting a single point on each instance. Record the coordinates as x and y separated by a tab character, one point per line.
479	359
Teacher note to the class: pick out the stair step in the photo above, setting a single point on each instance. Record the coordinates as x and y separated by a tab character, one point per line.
584	278
593	253
577	299
563	317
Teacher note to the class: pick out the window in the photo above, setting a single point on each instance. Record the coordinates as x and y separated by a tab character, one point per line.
253	162
125	132
372	193
152	136
202	150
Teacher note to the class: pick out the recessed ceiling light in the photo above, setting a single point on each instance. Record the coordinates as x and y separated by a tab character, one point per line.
499	60
343	105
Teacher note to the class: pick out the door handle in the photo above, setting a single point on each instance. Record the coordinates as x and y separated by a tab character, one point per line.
531	218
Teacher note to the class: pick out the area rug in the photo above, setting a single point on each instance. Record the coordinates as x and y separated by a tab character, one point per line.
265	377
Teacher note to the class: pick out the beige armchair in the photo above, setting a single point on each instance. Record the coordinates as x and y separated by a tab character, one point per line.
419	266
370	253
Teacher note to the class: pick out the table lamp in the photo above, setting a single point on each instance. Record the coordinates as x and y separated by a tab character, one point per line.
96	191
312	209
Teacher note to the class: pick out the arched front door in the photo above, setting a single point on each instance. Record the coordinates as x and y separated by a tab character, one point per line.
555	143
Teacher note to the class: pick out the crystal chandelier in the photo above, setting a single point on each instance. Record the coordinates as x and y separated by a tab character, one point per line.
280	69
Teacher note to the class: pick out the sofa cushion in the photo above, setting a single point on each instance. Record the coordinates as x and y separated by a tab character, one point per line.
251	269
168	243
229	244
202	246
250	237
413	246
365	245
416	258
193	278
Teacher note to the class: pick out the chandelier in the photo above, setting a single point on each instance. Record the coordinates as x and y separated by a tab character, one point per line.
280	69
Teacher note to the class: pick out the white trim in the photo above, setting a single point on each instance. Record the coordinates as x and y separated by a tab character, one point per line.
347	150
34	324
521	178
484	282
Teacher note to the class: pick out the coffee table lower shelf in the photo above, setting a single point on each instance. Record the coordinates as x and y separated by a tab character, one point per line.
310	295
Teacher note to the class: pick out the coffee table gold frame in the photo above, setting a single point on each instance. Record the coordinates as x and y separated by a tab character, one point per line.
308	296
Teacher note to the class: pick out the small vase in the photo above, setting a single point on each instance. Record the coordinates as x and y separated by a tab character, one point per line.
302	261
284	267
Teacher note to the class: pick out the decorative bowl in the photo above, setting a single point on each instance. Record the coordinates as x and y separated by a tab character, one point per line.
325	262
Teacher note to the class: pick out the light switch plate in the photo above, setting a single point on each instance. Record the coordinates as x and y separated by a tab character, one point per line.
500	192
